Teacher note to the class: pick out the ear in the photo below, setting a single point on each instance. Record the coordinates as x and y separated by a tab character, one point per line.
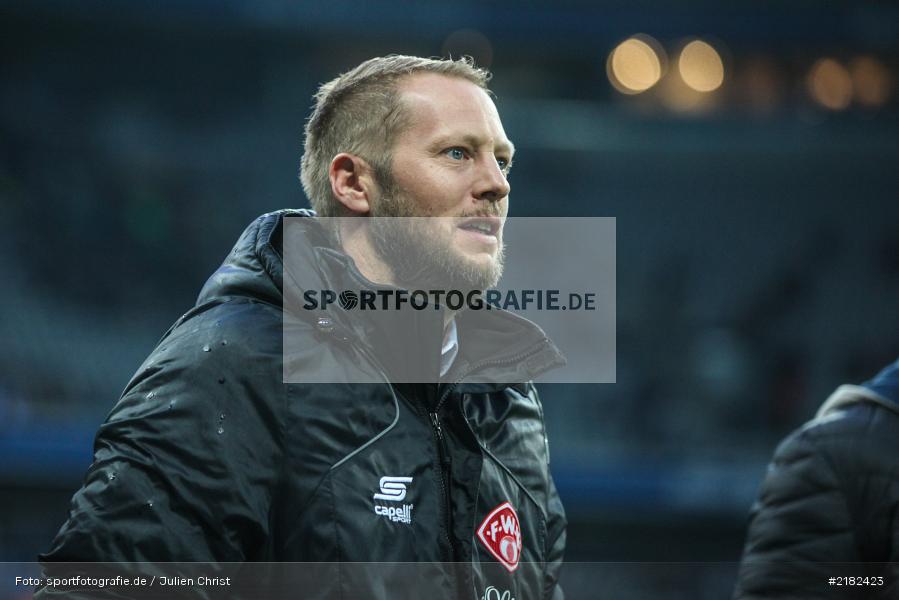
352	182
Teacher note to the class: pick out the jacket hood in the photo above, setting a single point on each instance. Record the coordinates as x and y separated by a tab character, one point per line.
882	390
886	383
255	268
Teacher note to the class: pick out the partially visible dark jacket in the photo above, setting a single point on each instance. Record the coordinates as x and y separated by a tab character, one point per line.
829	504
210	457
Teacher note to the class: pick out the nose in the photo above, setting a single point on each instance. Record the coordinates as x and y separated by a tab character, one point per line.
491	185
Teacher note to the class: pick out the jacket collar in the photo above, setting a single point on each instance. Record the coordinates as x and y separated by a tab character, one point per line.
494	346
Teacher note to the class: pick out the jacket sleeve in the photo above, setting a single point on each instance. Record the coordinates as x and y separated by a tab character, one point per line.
555	529
185	466
800	525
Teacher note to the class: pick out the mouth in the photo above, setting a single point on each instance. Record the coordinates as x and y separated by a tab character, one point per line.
486	227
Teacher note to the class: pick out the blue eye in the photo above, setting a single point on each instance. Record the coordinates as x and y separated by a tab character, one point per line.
456	153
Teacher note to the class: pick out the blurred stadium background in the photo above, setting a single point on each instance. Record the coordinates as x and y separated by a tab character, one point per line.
748	150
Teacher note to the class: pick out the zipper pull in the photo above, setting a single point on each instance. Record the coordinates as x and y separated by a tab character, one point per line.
436	423
444	451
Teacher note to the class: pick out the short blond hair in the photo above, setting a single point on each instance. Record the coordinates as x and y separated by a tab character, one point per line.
359	113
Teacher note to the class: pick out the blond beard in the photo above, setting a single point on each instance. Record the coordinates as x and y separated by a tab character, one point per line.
421	253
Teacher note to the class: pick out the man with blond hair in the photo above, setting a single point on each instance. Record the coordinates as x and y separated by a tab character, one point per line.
261	430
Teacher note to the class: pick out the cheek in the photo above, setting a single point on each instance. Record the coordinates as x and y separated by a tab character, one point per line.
434	188
438	195
414	182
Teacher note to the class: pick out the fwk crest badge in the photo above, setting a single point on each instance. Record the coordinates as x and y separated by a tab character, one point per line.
501	535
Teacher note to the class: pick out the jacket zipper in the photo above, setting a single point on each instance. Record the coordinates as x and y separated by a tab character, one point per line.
445	464
442	453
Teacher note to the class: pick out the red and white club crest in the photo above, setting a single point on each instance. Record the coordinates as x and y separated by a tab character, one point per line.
501	535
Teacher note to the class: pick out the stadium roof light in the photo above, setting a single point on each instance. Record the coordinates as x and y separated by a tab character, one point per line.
830	84
700	66
636	64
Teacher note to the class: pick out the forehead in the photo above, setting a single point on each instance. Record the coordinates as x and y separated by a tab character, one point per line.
440	105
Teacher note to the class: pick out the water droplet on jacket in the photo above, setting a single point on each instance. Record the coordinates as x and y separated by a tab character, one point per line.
222	417
224	342
218	323
151	395
325	324
171	404
206	348
221	380
221	430
150	503
111	476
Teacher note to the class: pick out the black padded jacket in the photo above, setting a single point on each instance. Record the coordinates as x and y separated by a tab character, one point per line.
210	457
829	504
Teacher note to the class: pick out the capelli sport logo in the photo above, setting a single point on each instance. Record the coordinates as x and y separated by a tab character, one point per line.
393	490
500	533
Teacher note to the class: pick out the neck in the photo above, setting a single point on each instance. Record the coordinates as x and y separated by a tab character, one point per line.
356	242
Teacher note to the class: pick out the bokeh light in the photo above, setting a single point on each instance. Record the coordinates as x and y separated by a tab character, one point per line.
700	66
870	80
636	64
830	84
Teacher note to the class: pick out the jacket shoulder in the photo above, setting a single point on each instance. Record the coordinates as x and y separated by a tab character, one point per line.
223	357
186	460
858	438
